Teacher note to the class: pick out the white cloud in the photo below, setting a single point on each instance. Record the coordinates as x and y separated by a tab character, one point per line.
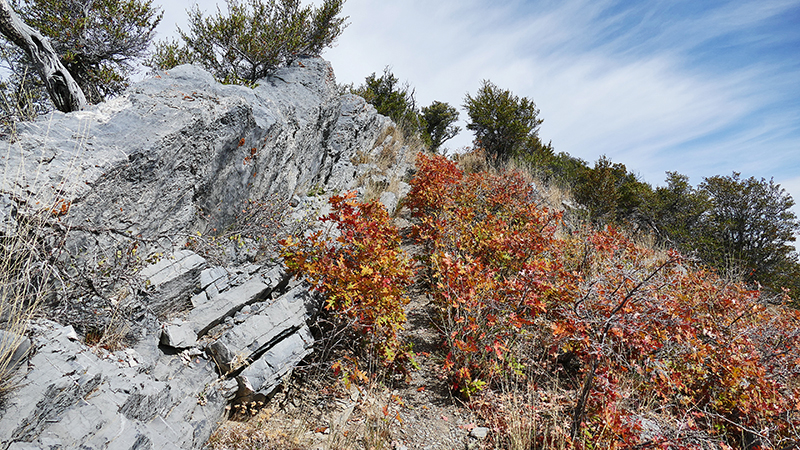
631	85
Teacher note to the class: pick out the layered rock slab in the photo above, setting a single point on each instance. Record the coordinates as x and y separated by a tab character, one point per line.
148	397
174	155
263	329
71	398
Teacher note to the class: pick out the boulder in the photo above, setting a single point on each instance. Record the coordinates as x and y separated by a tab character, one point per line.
138	184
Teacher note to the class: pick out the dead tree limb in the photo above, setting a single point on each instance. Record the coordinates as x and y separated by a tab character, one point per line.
64	91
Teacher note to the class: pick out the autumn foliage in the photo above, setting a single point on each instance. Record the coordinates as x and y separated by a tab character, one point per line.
570	339
493	270
652	351
357	264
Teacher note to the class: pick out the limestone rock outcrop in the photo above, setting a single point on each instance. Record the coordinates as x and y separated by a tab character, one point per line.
134	180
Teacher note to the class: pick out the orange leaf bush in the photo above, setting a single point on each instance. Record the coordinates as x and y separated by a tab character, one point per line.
494	267
358	266
684	338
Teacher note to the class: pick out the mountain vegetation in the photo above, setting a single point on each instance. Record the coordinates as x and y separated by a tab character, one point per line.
98	42
626	316
504	125
433	124
253	38
687	342
743	228
559	336
439	119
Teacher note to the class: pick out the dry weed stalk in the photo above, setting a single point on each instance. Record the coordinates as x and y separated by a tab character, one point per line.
29	275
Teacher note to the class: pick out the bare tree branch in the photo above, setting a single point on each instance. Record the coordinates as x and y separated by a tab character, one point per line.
64	91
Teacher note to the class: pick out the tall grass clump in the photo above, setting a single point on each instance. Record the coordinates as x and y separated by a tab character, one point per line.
27	279
393	148
29	253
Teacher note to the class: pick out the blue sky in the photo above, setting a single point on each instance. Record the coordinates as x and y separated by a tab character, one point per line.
699	87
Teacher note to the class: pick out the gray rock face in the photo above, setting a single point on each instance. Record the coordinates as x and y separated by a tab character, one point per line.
180	145
179	154
140	175
144	397
72	398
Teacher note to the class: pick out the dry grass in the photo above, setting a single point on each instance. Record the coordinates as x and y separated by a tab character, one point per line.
267	428
112	336
29	252
373	189
27	276
472	162
23	104
551	195
393	149
319	414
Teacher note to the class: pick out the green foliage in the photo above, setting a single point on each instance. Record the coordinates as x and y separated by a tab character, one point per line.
741	227
439	119
434	125
254	38
751	224
169	54
504	124
98	41
392	99
610	192
678	212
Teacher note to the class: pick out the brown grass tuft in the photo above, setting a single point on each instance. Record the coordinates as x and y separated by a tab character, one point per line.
29	253
392	149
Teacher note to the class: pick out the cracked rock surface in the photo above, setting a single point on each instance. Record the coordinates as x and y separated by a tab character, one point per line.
139	175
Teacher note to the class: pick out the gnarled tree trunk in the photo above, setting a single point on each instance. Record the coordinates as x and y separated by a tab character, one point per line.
63	90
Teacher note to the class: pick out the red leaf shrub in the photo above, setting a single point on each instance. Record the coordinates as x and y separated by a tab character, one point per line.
655	351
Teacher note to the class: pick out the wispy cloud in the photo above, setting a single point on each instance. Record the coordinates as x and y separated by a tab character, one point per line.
703	88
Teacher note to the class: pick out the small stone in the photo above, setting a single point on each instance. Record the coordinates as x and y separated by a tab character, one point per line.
199	299
251	268
479	432
71	334
178	335
213	275
389	201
